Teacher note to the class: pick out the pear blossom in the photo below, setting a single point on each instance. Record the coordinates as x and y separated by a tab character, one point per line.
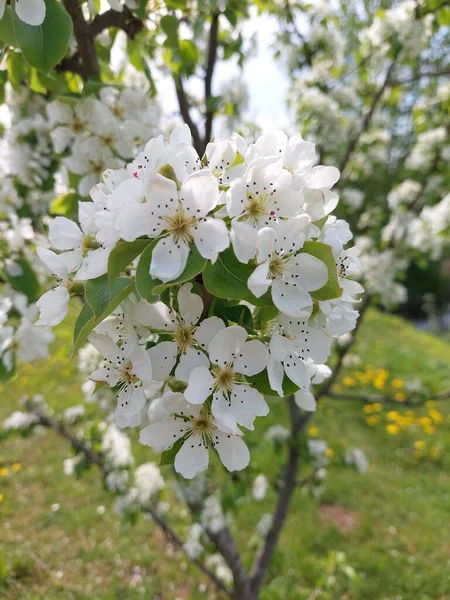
127	373
233	401
181	216
290	274
189	339
198	430
292	343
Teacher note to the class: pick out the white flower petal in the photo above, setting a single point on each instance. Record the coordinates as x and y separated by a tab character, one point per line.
290	300
200	385
190	360
156	316
305	400
169	259
312	272
107	348
64	234
192	458
211	237
259	281
207	329
141	365
181	134
53	306
134	220
200	193
31	12
320	177
164	433
232	451
266	243
107	375
190	305
280	346
296	370
252	358
226	345
163	357
243	239
275	372
130	403
53	262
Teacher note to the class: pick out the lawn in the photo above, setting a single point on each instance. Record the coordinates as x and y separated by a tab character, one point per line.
382	535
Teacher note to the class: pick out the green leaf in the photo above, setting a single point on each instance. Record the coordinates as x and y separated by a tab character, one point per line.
150	288
26	282
6	28
239	314
87	320
231	16
5	375
66	205
122	255
169	25
262	384
324	253
44	46
168	456
18	70
227	278
97	293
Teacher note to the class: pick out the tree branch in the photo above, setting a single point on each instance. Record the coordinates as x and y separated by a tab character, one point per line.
85	40
289	483
124	20
183	103
212	56
367	118
97	459
418	76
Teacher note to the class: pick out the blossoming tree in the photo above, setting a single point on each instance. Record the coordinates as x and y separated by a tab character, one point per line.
209	273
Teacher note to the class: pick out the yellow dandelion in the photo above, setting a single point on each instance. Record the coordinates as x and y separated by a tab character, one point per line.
377	406
348	382
313	432
392	429
419	445
4	472
368	409
430	403
400	396
436	415
429	429
393	415
16	466
1	498
330	452
372	420
399	384
379	383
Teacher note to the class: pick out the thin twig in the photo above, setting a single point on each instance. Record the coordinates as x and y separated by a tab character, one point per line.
97	459
124	20
418	76
85	40
212	56
367	117
184	105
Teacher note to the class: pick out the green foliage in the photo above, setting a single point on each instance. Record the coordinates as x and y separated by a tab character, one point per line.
98	294
88	320
44	46
227	278
150	288
66	205
122	255
324	253
26	281
262	384
168	456
6	28
18	70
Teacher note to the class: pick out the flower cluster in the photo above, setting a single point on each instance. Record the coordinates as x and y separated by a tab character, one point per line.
217	280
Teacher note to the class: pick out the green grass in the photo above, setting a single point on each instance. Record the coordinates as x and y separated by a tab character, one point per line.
397	514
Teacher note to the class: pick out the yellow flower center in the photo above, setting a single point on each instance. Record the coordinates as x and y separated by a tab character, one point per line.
183	337
225	377
256	207
276	266
179	225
